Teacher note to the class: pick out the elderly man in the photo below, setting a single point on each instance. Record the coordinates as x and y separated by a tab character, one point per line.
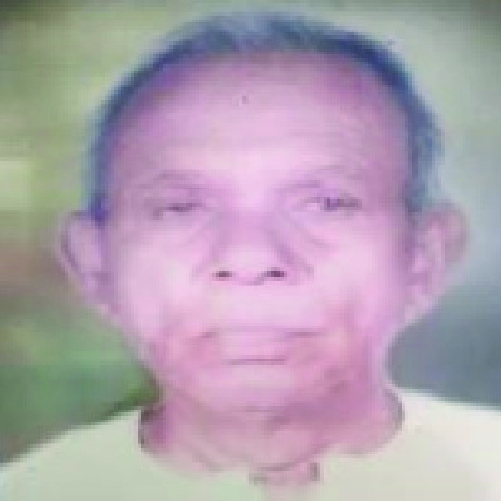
263	219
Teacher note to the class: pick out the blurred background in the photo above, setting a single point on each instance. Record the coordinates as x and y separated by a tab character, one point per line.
59	365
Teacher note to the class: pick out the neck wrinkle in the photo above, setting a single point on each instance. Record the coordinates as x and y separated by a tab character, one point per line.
175	434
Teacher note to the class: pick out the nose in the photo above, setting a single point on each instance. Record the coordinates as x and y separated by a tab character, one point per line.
250	252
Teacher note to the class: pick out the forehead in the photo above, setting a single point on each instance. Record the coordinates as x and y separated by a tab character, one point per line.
287	110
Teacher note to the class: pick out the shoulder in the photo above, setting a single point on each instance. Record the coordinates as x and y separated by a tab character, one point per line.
470	433
105	461
81	439
87	461
443	451
462	425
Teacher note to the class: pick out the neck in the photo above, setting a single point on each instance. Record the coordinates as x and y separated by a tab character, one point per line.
279	447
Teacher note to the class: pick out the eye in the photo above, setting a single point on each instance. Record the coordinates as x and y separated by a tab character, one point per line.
332	203
177	209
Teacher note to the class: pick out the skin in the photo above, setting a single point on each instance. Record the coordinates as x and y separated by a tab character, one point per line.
259	192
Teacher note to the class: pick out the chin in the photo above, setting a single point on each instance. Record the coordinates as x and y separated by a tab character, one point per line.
273	389
267	403
245	399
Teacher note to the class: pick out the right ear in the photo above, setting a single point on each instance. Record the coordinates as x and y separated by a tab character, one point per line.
79	251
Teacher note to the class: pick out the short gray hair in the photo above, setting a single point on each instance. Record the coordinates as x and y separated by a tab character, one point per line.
248	32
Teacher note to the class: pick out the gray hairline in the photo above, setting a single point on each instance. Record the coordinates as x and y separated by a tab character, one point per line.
251	32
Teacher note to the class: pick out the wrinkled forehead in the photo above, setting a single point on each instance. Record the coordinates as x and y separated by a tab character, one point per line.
245	102
262	76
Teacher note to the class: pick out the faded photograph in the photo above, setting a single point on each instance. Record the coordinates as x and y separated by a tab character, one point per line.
255	258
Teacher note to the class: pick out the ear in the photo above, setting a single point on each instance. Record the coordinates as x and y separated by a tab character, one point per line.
79	250
440	238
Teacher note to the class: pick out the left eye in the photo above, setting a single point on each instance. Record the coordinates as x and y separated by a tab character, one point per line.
329	204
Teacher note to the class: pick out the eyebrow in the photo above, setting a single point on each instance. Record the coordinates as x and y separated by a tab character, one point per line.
328	171
199	179
190	178
175	175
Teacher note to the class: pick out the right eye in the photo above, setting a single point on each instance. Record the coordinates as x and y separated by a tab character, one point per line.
180	209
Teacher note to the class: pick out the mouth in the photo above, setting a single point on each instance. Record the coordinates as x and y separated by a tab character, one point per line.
260	329
260	345
258	361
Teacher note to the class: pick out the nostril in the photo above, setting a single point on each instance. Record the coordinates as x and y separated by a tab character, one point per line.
276	273
222	274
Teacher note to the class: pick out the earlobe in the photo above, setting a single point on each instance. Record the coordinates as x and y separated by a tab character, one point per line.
79	251
455	230
440	238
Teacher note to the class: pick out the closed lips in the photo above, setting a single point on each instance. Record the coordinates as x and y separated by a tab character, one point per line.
262	345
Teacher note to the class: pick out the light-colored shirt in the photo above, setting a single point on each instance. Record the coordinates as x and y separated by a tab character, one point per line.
444	452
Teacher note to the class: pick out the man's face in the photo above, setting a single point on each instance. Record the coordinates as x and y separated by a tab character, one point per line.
257	245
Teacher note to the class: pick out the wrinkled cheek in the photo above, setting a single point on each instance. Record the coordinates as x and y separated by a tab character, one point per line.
144	310
362	321
347	343
164	344
377	293
379	320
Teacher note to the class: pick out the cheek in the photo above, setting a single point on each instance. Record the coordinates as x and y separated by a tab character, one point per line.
150	290
367	282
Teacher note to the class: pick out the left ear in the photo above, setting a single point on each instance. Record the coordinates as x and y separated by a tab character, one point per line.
439	241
